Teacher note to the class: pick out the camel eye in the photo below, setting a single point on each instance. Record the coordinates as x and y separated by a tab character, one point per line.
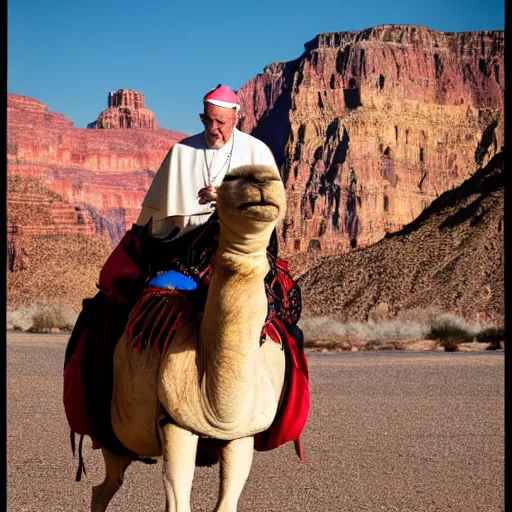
230	178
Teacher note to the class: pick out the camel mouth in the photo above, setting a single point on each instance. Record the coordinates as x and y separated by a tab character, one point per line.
257	204
259	210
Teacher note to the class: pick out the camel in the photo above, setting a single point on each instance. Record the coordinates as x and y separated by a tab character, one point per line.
215	380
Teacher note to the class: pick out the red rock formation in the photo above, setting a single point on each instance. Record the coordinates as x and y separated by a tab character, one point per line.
36	213
126	110
100	176
371	126
448	260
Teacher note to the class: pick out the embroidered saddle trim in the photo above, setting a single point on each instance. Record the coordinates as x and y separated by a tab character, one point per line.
156	318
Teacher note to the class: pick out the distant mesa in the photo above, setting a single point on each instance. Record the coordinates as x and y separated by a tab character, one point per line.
125	110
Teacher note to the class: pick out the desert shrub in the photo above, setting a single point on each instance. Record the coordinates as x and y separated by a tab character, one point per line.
308	342
437	320
494	345
47	318
408	325
450	344
450	332
451	329
376	330
491	334
37	317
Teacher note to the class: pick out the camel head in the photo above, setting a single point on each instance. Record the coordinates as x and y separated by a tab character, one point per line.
250	203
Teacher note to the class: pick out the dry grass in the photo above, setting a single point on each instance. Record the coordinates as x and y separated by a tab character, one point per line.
41	318
404	332
407	326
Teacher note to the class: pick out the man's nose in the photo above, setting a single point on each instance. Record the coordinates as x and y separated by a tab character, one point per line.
214	126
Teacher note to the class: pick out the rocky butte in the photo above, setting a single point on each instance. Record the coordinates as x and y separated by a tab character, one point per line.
126	110
370	126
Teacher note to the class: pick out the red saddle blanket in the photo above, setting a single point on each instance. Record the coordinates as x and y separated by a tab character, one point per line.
88	367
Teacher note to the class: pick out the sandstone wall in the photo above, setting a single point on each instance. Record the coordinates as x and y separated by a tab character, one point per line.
448	260
370	126
70	181
103	173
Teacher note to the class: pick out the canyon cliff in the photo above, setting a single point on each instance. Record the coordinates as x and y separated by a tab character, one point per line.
71	195
369	127
448	260
102	175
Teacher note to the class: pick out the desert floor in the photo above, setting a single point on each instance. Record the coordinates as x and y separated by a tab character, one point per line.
392	431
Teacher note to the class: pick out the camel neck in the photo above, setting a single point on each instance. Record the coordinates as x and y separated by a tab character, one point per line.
235	311
251	244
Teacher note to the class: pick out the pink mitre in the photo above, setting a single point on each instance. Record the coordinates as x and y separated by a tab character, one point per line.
222	96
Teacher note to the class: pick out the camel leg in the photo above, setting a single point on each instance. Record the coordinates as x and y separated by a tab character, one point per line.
235	466
115	467
179	450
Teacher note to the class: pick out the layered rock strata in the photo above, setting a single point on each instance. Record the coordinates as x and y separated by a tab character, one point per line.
369	127
54	251
448	260
83	182
126	110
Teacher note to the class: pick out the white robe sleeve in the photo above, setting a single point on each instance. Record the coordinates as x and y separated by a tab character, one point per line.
176	185
156	196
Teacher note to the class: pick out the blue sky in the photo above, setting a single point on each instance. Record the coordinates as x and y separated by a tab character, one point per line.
70	54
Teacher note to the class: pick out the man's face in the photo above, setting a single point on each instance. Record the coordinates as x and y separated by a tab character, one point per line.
219	123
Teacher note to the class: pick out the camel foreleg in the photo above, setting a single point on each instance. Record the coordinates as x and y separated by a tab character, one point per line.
115	467
235	466
179	450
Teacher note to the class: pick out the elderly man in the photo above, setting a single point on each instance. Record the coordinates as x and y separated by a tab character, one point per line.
183	192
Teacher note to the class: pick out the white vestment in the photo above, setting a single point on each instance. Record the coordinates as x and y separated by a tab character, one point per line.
172	199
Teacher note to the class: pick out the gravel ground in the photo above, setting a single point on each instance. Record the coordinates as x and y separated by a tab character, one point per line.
387	432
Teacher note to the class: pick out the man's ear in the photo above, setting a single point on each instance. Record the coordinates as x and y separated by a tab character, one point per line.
201	116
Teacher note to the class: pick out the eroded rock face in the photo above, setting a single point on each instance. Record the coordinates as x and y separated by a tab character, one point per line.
369	127
448	260
126	110
98	178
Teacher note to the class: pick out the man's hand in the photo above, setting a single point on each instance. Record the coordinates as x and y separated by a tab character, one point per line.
208	195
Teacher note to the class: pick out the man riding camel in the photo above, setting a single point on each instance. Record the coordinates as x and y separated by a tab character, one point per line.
183	192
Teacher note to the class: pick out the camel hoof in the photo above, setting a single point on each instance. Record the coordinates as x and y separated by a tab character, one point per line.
98	501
